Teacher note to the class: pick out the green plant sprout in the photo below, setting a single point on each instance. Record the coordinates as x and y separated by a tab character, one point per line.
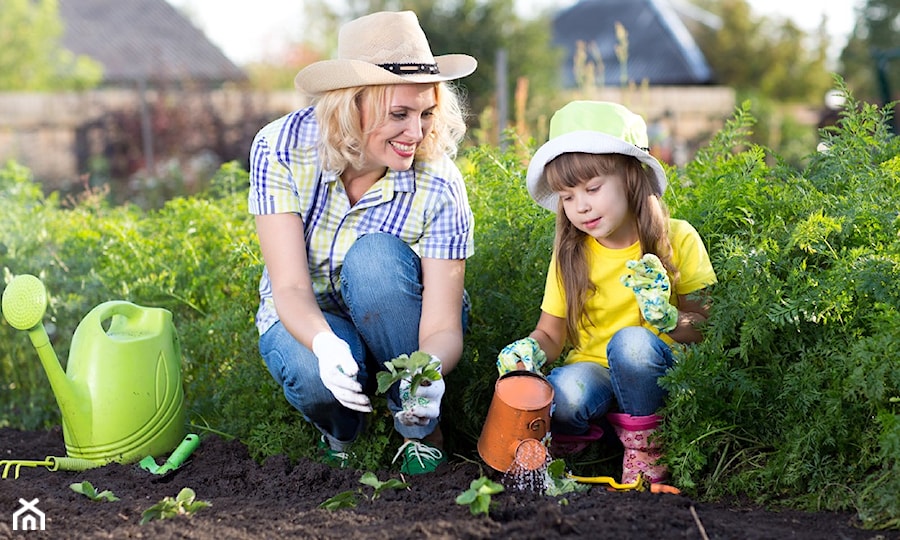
184	503
344	499
479	494
87	489
347	499
557	481
370	479
416	368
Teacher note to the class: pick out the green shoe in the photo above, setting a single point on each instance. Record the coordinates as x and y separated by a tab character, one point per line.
339	459
419	457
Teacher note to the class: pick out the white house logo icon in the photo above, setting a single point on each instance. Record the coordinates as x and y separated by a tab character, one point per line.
29	517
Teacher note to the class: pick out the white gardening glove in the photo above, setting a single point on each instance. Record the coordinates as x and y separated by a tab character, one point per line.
425	405
338	370
527	351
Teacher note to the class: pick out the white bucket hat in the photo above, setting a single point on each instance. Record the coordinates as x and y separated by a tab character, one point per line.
382	48
591	127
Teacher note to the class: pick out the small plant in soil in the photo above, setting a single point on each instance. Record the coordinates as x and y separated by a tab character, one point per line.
184	503
417	368
347	499
370	479
558	483
88	490
479	494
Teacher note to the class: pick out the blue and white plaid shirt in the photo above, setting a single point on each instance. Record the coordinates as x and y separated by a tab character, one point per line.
425	206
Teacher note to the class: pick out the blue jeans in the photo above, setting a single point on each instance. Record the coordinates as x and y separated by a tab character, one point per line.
381	284
585	391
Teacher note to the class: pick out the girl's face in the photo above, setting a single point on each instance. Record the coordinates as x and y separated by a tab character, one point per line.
409	120
599	208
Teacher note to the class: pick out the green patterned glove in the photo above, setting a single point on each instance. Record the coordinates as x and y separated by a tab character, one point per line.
525	350
650	284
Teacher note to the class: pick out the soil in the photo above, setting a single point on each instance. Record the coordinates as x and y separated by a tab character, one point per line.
280	499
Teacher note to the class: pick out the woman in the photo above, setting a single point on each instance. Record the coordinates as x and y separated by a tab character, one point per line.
364	226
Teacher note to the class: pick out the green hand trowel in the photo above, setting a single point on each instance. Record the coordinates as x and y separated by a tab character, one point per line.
175	460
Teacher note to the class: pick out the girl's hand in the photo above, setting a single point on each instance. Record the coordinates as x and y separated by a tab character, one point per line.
527	351
650	283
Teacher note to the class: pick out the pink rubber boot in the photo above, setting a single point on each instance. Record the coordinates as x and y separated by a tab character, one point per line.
641	453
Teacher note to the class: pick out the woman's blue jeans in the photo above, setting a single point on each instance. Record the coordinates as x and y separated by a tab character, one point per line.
381	284
585	391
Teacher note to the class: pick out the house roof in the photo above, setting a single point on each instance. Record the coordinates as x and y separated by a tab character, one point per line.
145	40
660	49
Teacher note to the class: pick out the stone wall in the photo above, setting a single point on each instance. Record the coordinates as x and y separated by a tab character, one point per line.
61	136
64	137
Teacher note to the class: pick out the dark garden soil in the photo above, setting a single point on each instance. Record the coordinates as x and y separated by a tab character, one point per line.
278	499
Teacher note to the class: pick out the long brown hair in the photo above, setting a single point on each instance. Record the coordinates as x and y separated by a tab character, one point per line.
572	169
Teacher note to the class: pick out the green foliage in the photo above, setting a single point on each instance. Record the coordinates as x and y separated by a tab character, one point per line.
184	504
372	481
753	53
348	499
791	398
88	490
558	481
33	58
417	368
344	499
478	496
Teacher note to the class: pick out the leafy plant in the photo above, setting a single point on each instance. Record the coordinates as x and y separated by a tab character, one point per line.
370	479
344	499
557	481
416	368
347	499
87	489
184	504
478	496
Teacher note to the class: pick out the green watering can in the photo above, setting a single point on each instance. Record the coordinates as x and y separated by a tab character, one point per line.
121	395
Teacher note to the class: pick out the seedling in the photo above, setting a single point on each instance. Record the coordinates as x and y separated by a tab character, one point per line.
87	489
370	479
559	483
478	496
347	499
184	503
416	368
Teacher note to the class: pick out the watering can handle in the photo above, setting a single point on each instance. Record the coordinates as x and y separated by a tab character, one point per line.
115	307
133	317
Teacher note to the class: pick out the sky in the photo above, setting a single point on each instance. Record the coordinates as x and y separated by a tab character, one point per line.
249	31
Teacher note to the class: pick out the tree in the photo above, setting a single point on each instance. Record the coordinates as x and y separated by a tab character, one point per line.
759	56
875	39
31	56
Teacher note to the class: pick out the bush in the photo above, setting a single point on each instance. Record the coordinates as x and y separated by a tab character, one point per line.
792	398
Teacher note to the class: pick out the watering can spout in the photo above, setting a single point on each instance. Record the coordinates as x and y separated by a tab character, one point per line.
24	304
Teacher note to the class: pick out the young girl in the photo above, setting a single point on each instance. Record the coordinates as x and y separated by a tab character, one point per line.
617	259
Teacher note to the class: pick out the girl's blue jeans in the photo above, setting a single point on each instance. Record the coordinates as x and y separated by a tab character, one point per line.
585	391
381	284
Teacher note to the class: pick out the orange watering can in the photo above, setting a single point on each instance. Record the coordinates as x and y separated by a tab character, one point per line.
517	422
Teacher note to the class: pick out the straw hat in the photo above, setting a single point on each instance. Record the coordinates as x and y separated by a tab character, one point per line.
591	127
382	48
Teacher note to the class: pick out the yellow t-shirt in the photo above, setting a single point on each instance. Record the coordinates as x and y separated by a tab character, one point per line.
613	306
